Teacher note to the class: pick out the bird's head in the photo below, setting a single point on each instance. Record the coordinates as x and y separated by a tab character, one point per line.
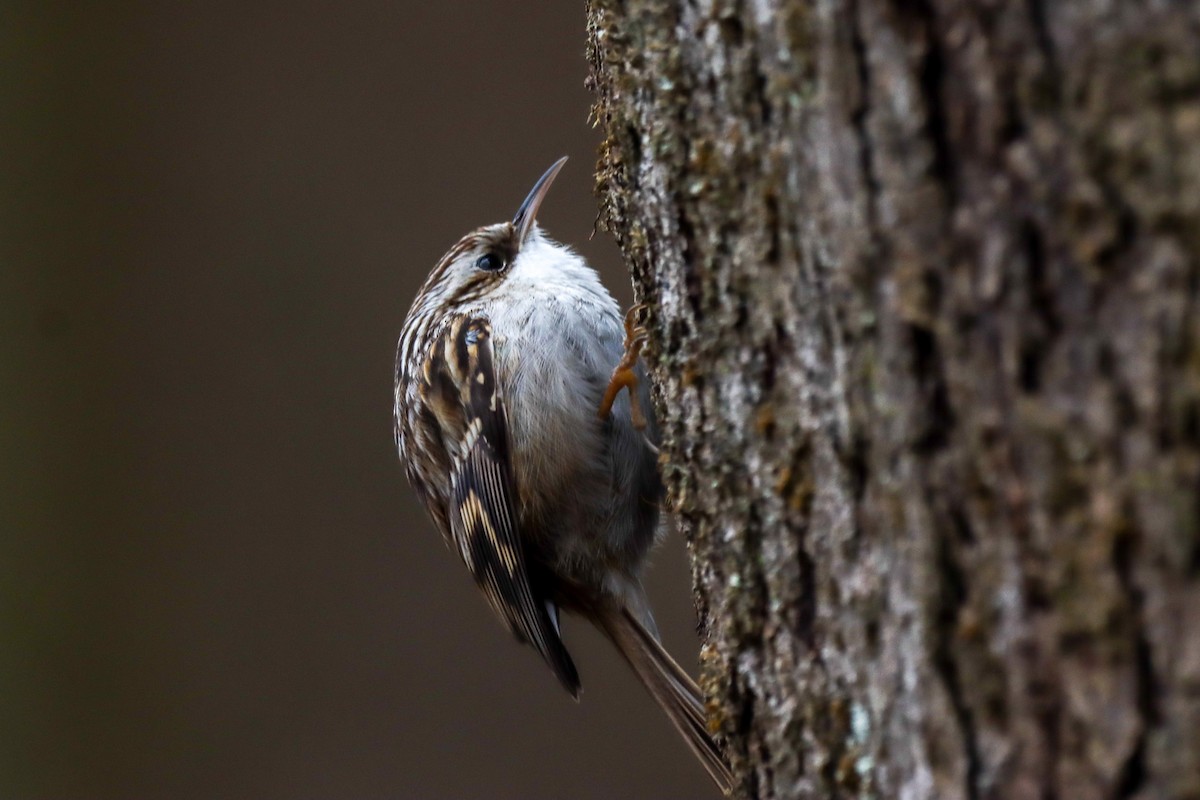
486	259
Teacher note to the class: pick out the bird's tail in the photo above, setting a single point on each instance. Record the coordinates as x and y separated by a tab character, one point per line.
672	688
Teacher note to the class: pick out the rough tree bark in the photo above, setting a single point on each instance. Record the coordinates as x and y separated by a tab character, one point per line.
923	284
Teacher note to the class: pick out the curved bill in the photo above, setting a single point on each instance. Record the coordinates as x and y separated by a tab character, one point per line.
523	221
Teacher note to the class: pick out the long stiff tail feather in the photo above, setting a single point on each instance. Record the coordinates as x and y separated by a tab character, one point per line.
672	689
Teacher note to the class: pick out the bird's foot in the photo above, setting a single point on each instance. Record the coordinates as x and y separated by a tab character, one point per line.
624	376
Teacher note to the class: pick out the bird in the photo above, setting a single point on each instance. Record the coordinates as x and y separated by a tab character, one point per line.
533	465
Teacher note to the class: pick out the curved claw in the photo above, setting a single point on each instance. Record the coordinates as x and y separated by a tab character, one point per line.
624	376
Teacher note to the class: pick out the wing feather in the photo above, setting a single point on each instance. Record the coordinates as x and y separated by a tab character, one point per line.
482	507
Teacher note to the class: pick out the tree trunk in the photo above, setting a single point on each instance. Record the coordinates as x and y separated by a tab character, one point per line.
922	283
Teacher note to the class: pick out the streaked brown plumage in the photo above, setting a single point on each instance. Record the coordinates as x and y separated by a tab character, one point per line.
501	367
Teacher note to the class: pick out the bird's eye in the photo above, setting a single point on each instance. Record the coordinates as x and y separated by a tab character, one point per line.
489	262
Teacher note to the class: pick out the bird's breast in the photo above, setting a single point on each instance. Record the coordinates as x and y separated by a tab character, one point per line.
554	359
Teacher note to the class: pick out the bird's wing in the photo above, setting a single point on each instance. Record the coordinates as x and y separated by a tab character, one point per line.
481	509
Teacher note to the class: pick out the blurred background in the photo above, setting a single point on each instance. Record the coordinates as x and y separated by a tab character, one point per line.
214	580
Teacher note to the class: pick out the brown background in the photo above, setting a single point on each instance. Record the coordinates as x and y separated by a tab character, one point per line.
215	581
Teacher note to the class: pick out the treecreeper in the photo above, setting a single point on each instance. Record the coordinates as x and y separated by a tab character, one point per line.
535	466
